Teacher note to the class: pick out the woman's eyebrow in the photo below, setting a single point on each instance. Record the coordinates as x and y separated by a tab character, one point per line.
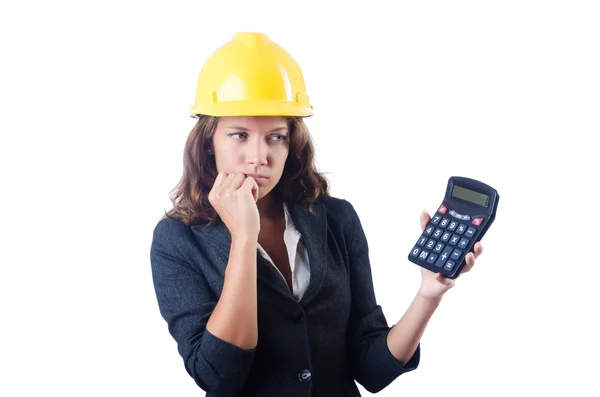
234	127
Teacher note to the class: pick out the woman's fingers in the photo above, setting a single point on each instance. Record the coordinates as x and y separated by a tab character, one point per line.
251	184
238	179
219	180
470	259
443	280
425	218
231	184
478	249
215	193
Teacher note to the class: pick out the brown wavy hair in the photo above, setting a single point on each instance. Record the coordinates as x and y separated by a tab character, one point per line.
299	183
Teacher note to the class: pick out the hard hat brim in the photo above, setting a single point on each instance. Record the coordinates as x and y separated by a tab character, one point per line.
258	108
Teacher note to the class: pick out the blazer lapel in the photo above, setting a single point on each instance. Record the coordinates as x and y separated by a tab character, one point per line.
313	228
216	242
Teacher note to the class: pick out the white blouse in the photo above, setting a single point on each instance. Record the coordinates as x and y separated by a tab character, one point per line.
297	256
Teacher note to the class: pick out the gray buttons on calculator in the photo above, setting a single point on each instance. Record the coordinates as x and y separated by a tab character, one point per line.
444	240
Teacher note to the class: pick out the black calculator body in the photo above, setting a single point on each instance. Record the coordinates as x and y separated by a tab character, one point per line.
463	218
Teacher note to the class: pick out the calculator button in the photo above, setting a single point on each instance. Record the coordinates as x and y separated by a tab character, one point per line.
449	265
424	254
442	209
439	247
477	221
444	222
437	233
431	244
460	216
422	241
463	243
444	257
432	258
456	254
436	219
470	232
454	240
461	228
452	225
415	251
429	230
446	237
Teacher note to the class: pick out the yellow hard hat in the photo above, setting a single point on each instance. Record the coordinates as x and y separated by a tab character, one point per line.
251	76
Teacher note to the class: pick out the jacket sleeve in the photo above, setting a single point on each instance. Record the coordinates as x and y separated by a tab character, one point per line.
186	302
374	365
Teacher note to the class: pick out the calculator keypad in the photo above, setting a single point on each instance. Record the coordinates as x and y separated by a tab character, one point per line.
470	232
445	241
446	236
444	256
449	265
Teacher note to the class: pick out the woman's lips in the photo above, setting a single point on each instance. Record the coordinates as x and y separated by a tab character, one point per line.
260	179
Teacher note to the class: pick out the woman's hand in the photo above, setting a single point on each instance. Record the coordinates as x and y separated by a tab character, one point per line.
234	198
435	285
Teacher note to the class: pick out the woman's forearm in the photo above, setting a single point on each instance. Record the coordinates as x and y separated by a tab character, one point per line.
234	318
404	337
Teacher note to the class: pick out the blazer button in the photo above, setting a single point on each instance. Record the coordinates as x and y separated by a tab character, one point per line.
305	376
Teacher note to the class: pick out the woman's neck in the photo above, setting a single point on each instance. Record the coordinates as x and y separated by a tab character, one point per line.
270	209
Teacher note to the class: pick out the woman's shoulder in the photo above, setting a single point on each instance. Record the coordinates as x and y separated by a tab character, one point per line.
174	225
337	205
175	234
340	211
171	234
172	238
166	227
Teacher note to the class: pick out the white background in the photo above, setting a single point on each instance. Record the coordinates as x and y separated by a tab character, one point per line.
94	100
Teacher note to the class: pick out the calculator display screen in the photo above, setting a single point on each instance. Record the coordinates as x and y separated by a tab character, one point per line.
470	195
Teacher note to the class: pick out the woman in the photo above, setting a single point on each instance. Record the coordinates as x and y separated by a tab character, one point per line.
262	276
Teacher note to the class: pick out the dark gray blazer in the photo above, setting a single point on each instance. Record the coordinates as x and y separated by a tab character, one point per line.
315	347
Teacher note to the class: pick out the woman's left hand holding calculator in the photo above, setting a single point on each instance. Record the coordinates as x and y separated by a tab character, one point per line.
435	285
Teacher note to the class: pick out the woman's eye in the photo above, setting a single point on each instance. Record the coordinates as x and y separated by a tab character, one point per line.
242	135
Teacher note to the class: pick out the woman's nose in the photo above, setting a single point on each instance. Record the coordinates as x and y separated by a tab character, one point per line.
257	152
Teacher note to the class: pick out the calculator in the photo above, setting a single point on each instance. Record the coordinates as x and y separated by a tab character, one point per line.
463	218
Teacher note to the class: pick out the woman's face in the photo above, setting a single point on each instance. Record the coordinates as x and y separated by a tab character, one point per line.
253	145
